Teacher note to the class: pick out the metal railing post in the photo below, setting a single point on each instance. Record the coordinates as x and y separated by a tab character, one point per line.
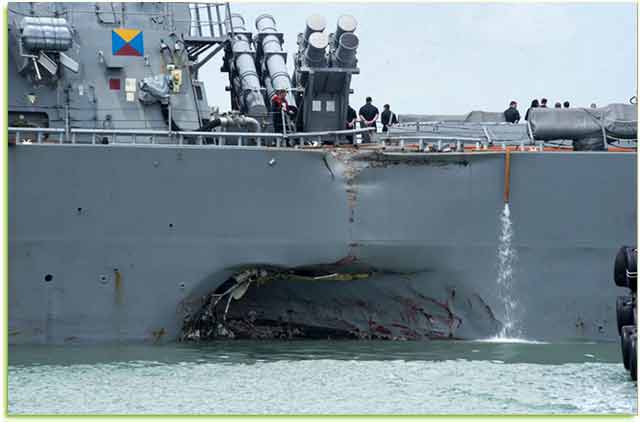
130	136
486	134
220	30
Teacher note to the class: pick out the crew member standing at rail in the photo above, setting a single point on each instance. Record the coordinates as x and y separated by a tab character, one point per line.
543	103
534	104
352	118
368	116
388	118
512	115
280	110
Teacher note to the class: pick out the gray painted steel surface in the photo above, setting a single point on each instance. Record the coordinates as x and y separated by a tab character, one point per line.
50	34
274	58
345	53
346	24
616	120
120	242
315	23
131	246
85	99
249	93
315	51
323	78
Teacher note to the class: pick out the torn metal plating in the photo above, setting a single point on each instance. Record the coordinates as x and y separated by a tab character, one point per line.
323	302
330	300
206	324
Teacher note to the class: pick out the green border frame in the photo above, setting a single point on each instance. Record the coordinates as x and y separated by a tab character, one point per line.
5	274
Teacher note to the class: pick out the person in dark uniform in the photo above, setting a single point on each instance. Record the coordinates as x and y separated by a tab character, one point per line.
387	118
512	115
543	103
368	116
566	104
534	104
352	118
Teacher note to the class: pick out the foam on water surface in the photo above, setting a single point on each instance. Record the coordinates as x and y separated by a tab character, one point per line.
321	378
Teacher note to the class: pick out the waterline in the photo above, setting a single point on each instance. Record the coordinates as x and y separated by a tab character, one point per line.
509	340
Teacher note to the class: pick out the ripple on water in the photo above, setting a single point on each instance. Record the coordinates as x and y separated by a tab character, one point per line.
321	386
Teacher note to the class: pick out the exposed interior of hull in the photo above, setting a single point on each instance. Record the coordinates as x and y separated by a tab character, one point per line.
337	301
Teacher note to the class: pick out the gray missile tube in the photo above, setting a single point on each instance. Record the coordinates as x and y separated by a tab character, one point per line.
346	24
274	58
268	87
315	23
250	96
345	54
314	53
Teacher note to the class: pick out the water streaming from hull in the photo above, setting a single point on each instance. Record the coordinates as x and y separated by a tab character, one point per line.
506	261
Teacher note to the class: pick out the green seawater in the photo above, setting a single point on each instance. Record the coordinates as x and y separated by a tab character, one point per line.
321	377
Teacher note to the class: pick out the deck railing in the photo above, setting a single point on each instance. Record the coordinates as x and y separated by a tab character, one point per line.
421	141
164	137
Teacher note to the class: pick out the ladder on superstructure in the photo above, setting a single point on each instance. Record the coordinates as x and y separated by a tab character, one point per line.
209	31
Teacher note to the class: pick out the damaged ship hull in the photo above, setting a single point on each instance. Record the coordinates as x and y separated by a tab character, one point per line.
121	243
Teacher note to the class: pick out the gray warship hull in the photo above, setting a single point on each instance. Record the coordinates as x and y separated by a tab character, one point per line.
119	242
128	208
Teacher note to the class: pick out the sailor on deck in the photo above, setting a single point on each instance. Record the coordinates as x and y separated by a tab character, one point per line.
368	116
280	110
534	104
388	118
512	115
352	118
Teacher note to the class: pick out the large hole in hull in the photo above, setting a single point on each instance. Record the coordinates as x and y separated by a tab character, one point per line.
337	302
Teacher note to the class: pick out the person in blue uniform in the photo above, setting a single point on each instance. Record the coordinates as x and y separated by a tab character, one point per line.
368	117
534	104
512	115
352	118
387	118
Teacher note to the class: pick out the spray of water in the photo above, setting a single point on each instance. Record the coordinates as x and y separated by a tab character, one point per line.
506	261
